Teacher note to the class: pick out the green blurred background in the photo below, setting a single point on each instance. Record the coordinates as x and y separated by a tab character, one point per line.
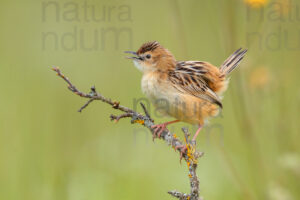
50	151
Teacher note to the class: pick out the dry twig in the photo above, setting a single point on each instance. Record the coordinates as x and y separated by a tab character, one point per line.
190	155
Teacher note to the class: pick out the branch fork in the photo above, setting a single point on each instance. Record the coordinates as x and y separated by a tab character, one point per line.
190	155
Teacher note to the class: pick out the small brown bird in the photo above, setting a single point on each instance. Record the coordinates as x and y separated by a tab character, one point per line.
189	91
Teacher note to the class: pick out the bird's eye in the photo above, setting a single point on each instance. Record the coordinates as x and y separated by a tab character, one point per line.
148	56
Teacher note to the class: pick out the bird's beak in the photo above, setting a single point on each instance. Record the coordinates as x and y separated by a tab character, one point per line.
135	57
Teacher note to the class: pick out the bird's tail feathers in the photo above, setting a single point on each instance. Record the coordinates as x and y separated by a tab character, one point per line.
232	61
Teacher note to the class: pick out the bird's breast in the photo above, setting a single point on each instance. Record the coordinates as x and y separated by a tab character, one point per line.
152	87
157	87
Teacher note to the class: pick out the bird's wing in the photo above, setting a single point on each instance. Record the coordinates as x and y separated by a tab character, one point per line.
190	77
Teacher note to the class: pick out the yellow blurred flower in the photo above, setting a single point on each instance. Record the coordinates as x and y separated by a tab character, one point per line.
282	6
256	3
260	77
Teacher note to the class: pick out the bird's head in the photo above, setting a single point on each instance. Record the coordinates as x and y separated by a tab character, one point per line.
151	56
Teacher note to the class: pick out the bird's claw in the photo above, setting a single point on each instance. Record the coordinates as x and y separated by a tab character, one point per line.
158	130
183	150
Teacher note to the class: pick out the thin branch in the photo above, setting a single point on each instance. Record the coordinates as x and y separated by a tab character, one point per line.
190	155
145	110
117	118
92	95
86	104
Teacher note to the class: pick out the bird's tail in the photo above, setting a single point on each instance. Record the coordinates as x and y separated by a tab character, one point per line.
232	61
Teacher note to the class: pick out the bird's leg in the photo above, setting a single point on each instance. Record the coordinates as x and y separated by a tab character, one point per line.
159	128
197	133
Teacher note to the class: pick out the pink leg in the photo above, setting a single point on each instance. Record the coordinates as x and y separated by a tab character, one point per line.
197	132
159	128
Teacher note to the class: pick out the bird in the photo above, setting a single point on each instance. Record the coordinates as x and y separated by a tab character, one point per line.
189	91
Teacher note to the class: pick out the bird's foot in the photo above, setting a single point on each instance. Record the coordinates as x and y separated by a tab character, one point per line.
158	129
183	150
